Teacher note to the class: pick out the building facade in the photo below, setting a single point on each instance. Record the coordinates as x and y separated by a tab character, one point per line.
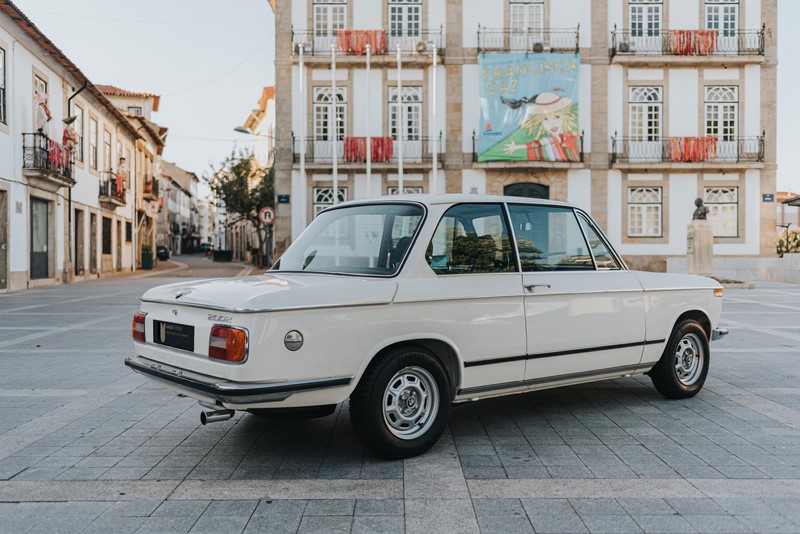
179	218
66	202
630	109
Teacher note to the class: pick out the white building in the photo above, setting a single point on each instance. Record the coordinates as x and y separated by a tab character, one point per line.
64	214
659	102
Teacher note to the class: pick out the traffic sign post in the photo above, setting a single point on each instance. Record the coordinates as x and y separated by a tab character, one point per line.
266	215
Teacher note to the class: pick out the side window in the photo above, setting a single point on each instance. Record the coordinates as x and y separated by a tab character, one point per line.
471	238
549	239
602	255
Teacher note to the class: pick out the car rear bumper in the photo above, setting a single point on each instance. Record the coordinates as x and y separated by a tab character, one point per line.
234	393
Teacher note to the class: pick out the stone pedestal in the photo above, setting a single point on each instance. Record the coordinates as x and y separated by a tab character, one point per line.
700	247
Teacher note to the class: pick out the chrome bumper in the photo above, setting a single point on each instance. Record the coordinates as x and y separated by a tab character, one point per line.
718	333
208	387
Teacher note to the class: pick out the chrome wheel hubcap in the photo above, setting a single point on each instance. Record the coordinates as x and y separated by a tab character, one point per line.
689	359
410	403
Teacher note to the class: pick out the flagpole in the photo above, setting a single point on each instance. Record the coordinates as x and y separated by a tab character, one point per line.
332	125
399	126
433	119
302	126
369	137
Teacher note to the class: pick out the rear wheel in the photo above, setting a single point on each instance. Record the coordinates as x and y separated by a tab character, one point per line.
399	408
682	369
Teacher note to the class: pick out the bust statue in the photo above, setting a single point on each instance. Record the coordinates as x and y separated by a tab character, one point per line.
701	213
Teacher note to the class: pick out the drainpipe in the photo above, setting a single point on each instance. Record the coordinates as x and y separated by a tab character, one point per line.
69	200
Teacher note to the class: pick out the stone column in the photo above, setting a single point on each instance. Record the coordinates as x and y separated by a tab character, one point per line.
282	228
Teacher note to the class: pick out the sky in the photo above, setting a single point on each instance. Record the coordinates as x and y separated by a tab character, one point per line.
209	59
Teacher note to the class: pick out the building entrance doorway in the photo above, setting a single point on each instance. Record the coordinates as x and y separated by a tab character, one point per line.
3	240
528	190
80	244
39	233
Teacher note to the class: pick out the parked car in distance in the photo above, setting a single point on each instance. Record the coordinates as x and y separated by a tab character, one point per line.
205	247
162	252
406	305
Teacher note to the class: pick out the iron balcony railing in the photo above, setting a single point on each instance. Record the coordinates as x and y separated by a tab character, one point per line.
353	42
112	185
538	151
535	40
687	42
39	152
709	149
353	150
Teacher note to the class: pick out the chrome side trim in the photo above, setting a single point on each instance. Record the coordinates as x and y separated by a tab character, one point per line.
226	391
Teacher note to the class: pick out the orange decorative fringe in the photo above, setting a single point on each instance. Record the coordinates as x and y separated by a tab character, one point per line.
356	41
692	149
693	42
355	149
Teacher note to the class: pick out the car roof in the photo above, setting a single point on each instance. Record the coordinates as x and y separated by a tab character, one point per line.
431	200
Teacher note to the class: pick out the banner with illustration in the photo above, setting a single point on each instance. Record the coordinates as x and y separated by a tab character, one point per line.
529	107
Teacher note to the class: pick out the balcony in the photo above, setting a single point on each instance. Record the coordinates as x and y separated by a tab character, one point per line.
351	152
688	152
687	47
45	163
542	154
150	188
528	40
351	45
112	190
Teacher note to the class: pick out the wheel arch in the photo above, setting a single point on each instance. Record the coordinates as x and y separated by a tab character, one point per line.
443	350
698	315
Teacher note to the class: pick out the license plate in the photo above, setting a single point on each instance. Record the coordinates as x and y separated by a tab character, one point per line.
179	336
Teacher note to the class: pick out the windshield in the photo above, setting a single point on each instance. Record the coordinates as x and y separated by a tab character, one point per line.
370	239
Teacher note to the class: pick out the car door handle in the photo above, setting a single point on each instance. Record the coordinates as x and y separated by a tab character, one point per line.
531	287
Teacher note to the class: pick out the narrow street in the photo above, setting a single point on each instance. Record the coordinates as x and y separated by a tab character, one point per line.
87	446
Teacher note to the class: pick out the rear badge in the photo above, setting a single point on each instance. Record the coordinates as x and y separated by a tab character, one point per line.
162	332
220	318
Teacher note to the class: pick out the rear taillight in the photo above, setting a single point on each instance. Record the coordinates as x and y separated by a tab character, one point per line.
228	344
137	327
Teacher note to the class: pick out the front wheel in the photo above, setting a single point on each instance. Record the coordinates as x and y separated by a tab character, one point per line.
399	408
682	369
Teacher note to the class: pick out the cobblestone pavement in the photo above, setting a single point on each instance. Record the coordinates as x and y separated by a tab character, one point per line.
87	446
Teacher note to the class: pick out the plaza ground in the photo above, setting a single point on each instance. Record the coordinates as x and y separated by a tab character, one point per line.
86	445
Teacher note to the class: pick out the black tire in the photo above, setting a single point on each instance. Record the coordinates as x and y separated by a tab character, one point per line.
682	369
411	379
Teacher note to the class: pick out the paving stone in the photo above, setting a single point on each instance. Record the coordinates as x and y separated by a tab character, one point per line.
380	507
166	524
609	524
721	524
132	508
663	524
646	506
216	524
115	525
695	506
62	525
390	524
500	524
181	509
557	523
329	524
330	507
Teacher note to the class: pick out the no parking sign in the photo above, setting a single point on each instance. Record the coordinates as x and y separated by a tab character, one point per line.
266	215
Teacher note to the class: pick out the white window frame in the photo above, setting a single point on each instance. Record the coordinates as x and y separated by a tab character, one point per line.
323	113
721	112
39	86
723	212
78	125
645	17
645	113
93	132
645	212
722	15
329	16
405	18
323	198
3	118
526	15
407	190
412	113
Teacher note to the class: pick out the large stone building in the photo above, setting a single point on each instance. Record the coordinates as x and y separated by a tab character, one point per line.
631	109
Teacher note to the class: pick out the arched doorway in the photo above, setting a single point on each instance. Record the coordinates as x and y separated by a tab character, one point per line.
528	190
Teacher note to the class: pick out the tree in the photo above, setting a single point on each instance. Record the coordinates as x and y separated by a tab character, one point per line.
243	188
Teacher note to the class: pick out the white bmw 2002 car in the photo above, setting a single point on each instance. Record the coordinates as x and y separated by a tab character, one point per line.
408	304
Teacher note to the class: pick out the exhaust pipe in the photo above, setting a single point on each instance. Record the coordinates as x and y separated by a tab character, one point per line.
217	415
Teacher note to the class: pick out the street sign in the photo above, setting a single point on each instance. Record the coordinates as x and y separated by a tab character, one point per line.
266	215
768	197
283	199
